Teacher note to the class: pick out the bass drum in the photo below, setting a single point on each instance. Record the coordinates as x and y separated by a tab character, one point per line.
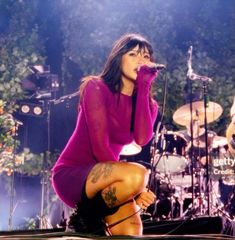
171	154
164	208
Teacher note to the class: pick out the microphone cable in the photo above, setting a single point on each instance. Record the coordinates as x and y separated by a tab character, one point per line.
156	138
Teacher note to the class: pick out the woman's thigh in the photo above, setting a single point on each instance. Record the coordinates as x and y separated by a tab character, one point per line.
122	174
132	225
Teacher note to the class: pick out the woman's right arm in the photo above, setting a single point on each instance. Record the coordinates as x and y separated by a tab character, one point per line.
94	106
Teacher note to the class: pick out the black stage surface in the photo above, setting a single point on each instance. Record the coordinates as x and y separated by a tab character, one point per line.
199	228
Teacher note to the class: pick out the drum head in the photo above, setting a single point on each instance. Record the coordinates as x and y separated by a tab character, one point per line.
171	153
169	163
131	149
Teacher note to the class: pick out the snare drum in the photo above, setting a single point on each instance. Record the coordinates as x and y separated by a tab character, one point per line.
170	157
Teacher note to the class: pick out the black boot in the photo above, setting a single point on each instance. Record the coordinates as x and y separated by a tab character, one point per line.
89	214
85	219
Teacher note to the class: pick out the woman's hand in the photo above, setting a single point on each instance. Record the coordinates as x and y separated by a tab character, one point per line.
145	199
146	74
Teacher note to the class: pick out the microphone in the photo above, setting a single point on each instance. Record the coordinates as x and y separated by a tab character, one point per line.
194	76
158	67
154	68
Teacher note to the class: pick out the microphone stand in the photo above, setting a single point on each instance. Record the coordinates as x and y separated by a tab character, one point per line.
193	76
12	180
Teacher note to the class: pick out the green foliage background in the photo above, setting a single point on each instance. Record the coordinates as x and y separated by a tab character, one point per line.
90	27
20	46
75	36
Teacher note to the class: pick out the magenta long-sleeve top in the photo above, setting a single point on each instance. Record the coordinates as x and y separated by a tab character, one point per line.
103	128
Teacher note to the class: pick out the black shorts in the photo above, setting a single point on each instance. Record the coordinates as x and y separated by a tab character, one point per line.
96	205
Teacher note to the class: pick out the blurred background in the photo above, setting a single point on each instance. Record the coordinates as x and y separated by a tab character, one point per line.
47	46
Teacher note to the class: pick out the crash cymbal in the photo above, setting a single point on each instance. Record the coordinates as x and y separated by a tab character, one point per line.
219	141
131	149
182	116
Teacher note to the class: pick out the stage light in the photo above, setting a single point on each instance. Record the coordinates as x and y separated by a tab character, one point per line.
37	110
25	109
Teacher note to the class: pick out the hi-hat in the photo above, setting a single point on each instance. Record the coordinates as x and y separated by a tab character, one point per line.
131	149
182	116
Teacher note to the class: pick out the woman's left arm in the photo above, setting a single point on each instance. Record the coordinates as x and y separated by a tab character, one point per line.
146	108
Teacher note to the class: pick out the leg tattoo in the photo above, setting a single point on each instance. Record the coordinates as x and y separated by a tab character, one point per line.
101	170
109	196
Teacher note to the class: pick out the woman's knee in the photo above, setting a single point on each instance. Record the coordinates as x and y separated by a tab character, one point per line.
132	175
137	177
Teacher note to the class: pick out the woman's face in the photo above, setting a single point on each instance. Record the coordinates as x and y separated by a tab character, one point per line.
131	61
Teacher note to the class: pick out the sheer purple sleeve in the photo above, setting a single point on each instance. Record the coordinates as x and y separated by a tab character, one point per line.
94	106
146	108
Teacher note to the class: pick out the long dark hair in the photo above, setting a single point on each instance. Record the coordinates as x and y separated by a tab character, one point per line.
111	73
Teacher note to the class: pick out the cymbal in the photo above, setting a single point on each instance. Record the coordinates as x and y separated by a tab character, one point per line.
131	149
182	116
219	141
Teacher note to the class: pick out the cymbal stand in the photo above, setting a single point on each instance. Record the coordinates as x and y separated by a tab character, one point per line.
208	182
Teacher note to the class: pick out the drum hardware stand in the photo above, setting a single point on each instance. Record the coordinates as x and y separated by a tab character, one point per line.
175	201
12	181
43	219
152	179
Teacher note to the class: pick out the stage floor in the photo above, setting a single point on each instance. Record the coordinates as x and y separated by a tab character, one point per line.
68	236
199	228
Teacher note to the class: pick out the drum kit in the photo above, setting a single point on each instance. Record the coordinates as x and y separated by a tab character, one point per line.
178	164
